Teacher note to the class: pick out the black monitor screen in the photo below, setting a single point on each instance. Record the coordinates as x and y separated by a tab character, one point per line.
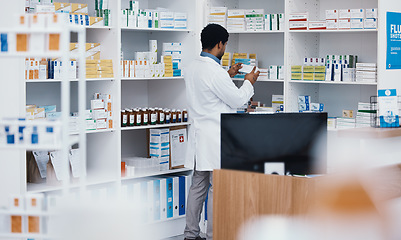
248	141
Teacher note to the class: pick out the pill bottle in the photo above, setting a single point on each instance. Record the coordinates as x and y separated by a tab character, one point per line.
124	118
145	116
179	116
173	116
167	114
162	116
138	117
184	115
130	117
153	116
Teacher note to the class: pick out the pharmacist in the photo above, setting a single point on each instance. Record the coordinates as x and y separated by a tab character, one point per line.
210	92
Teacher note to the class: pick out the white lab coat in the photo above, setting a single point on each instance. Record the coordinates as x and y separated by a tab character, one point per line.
210	92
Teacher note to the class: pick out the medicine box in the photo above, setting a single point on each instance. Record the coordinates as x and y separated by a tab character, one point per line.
317	25
370	23
304	99
298	17
332	24
344	24
344	13
317	107
371	13
97	104
358	13
298	25
331	14
357	23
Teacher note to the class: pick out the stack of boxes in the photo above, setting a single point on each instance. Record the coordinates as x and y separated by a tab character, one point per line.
254	19
133	17
172	51
47	69
342	19
274	22
78	14
298	21
99	68
365	115
276	72
278	103
236	20
246	59
102	10
147	66
366	72
341	68
226	60
218	15
313	69
100	115
159	146
305	105
345	123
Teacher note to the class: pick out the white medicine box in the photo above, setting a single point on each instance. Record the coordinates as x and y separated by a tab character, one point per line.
358	13
371	13
331	14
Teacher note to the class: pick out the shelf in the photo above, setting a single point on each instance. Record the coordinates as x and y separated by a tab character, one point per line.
98	27
334	83
27	236
43	187
334	31
155	126
261	80
25	213
180	170
30	147
155	29
166	220
95	131
154	78
71	80
255	32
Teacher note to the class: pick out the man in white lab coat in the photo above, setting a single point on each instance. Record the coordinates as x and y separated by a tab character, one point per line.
210	92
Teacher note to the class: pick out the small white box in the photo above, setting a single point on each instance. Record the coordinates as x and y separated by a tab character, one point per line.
100	114
331	14
370	23
337	72
317	25
344	13
153	46
97	104
101	124
90	124
371	13
273	72
357	23
304	100
16	202
344	24
358	13
34	202
298	25
298	17
332	24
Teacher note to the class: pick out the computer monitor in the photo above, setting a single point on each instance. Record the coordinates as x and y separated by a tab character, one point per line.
299	140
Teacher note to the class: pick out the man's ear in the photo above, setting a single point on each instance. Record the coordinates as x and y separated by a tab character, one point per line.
220	45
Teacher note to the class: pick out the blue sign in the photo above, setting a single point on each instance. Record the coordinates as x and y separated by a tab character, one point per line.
393	40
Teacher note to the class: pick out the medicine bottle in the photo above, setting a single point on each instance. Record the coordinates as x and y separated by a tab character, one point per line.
144	114
162	116
123	118
130	117
167	115
157	114
173	116
149	115
184	115
179	116
153	116
138	117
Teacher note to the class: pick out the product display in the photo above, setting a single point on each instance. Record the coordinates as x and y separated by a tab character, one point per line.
133	17
251	20
152	116
147	66
341	19
305	105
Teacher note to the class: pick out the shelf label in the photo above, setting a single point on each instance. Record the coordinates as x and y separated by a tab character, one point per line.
393	40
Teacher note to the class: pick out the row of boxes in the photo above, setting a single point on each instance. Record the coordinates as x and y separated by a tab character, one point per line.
246	19
99	68
48	69
336	19
135	17
142	69
305	105
309	73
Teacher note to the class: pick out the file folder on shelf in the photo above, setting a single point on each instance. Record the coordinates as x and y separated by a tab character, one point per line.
182	195
156	199
163	199
176	190
169	193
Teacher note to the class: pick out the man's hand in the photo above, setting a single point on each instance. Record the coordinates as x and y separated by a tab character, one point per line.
252	76
234	69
